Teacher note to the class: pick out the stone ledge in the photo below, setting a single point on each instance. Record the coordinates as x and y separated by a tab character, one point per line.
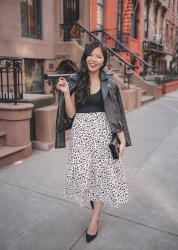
11	112
9	155
11	106
42	145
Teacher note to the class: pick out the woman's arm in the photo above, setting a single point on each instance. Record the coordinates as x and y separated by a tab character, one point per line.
121	137
70	108
122	143
63	86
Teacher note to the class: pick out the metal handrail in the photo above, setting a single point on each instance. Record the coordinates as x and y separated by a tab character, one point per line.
83	30
107	48
125	48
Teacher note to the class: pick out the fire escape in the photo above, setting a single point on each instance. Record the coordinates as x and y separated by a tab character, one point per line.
127	13
154	46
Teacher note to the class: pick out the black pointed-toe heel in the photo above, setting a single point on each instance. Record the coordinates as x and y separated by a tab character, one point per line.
92	204
90	237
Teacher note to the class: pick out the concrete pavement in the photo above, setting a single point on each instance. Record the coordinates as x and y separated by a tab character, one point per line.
35	216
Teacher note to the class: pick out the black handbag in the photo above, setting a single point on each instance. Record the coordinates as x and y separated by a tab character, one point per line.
114	146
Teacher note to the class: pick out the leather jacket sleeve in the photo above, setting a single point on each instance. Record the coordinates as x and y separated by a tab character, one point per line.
63	122
123	119
119	111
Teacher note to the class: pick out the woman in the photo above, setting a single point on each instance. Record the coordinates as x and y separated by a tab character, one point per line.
92	174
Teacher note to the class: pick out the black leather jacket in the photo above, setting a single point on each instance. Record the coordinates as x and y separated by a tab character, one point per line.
112	104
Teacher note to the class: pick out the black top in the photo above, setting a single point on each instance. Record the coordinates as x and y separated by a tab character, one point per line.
93	104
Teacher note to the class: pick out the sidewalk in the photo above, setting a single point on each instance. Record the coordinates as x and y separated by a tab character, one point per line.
35	216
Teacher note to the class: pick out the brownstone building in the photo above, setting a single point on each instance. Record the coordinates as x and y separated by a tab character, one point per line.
30	29
160	34
34	33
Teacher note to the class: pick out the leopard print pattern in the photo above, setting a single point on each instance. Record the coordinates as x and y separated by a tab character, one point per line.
91	172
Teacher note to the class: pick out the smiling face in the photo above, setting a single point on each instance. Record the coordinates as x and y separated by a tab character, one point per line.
95	60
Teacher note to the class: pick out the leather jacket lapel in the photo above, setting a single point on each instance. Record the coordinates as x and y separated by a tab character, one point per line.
104	89
104	84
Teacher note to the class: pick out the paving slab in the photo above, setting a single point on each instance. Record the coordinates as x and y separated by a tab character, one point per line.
149	125
118	234
42	172
31	221
153	197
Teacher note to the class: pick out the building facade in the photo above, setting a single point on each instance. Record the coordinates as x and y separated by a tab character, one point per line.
34	31
30	29
126	24
160	34
148	28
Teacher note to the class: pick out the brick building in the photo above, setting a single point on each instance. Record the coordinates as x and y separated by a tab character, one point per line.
148	28
126	24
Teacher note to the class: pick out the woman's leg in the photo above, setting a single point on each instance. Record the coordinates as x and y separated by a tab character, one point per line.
92	229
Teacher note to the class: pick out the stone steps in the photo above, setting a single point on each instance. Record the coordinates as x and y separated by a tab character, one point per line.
2	137
15	141
10	154
143	92
146	99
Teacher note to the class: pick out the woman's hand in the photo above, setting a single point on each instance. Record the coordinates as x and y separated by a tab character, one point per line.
63	85
122	143
121	147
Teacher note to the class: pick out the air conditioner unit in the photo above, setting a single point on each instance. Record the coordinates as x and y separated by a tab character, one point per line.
156	38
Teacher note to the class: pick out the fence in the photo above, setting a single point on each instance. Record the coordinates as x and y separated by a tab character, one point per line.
11	83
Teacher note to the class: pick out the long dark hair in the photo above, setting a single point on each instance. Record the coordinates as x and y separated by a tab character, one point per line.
82	91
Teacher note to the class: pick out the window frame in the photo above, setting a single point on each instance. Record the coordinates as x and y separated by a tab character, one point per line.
25	28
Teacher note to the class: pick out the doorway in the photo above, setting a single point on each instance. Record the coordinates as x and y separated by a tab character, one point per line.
34	70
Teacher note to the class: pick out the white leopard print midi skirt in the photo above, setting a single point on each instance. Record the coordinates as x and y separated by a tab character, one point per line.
91	172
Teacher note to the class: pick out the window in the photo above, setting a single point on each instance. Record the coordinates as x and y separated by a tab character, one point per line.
34	71
172	37
71	11
167	30
134	23
173	6
146	17
169	3
119	19
100	16
155	19
31	18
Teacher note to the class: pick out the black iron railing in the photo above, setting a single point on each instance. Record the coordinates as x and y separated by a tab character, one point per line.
85	36
118	46
123	37
166	78
149	45
11	84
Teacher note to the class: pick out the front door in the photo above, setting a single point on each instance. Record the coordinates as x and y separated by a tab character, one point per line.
71	11
71	14
34	70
